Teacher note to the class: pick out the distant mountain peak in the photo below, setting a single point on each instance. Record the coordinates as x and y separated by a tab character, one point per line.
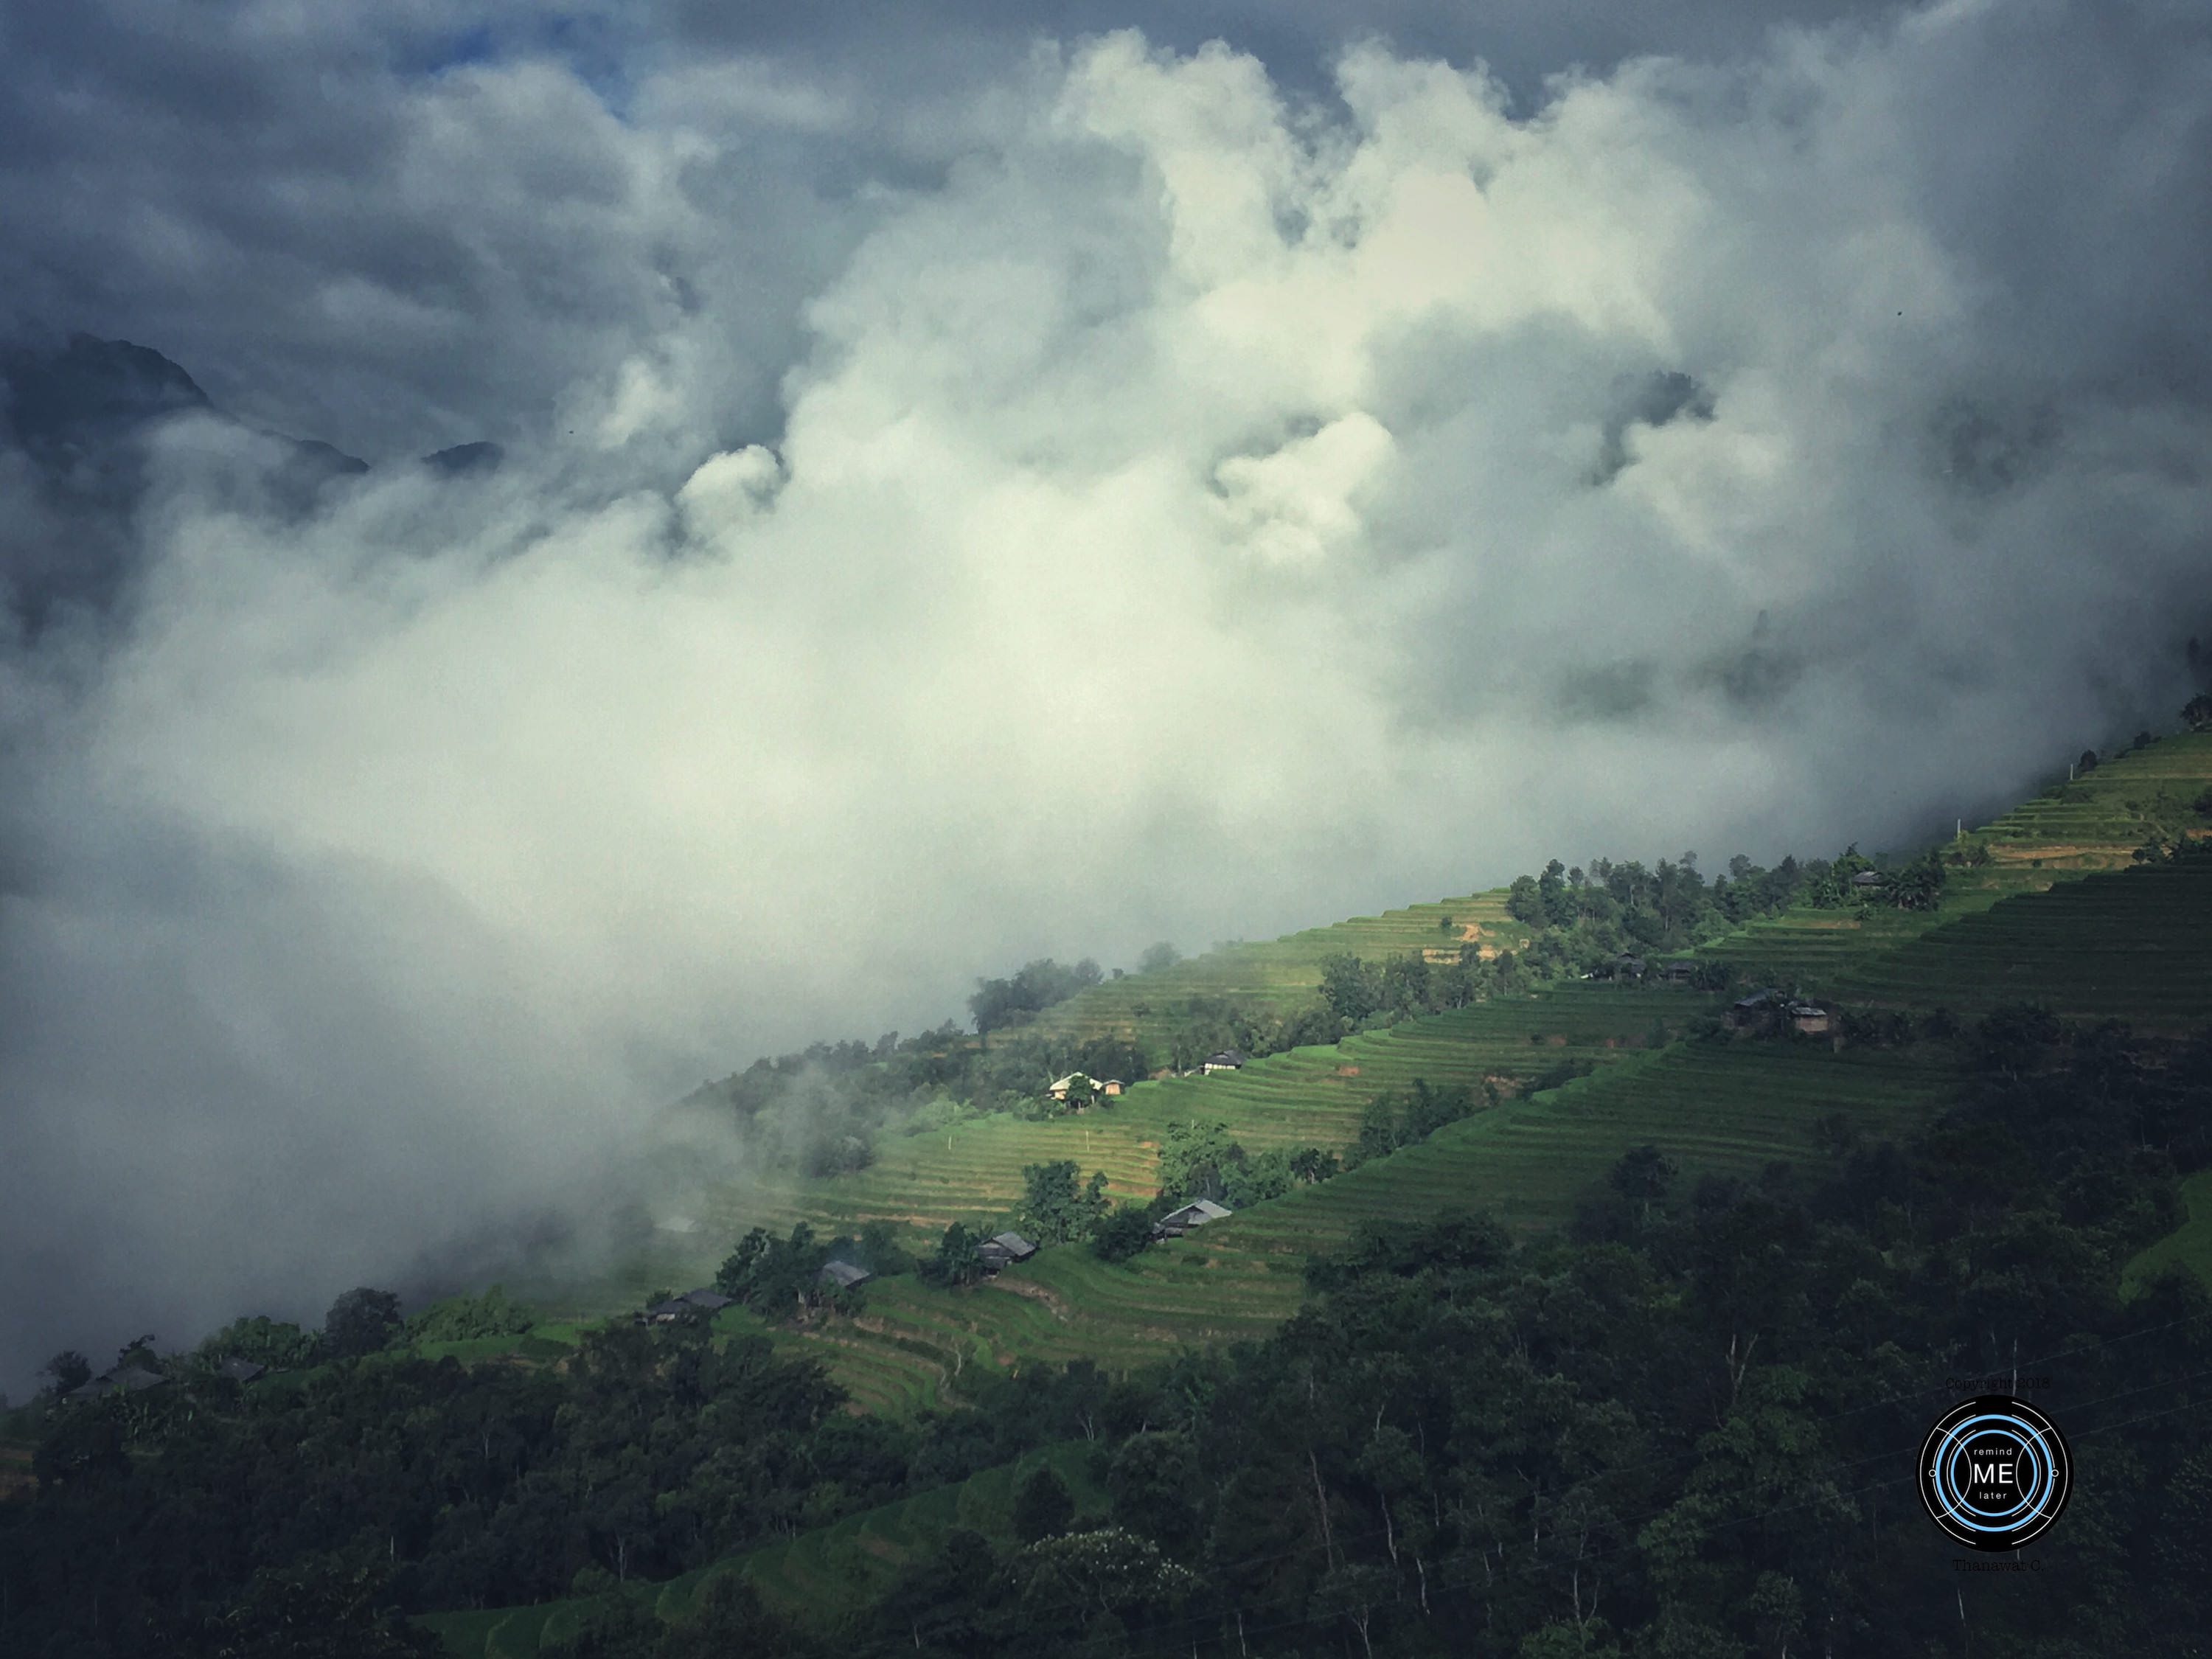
91	387
462	460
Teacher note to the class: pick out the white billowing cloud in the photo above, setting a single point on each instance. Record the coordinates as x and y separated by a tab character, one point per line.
1294	505
728	492
1183	524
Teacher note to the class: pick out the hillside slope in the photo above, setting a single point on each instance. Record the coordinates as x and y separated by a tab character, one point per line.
2053	915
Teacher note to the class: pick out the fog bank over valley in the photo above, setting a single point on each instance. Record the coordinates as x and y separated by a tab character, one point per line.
1113	491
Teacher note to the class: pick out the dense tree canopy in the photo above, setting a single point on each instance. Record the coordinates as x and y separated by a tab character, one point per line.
1687	1426
1037	987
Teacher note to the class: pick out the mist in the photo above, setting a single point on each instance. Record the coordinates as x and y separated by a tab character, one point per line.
1192	505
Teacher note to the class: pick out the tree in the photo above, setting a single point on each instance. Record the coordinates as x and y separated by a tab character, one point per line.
1428	1110
1380	1127
458	1318
935	1606
1553	896
1054	1208
957	1260
877	1250
1351	989
1917	886
1642	1176
275	1343
1071	1585
776	1277
66	1371
321	1607
1157	958
1127	1229
1194	1157
1358	1591
1001	1002
361	1321
2196	713
1523	903
1154	1482
1042	1505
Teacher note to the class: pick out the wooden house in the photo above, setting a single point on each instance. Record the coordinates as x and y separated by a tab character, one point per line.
1754	1010
123	1379
1196	1213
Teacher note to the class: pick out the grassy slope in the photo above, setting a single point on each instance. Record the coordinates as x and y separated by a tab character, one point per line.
2068	832
2057	917
2124	946
914	1339
1999	934
2039	920
830	1568
2189	1246
1280	975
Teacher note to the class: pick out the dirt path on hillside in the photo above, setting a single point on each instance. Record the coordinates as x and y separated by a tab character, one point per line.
1037	1292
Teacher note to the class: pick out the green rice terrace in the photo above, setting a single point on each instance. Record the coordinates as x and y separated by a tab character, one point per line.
2058	920
1279	973
1576	1073
2071	830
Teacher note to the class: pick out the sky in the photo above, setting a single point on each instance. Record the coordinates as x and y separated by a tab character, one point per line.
988	481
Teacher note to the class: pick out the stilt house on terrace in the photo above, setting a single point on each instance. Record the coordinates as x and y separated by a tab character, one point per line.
1196	1213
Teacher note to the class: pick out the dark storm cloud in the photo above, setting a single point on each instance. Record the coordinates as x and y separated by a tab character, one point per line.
967	500
315	207
359	232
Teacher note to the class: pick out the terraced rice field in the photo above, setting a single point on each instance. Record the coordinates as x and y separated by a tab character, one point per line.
914	1340
2134	945
1279	975
2071	831
1307	1097
2098	820
805	1577
2056	918
1726	1107
1722	1106
2092	945
1805	949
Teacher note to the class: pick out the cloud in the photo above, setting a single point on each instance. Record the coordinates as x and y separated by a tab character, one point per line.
1195	507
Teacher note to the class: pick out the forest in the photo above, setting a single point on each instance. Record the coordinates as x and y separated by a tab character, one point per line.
1685	1427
